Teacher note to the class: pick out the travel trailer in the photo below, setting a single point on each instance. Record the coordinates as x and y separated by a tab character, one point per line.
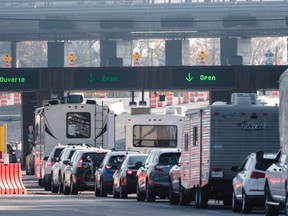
219	136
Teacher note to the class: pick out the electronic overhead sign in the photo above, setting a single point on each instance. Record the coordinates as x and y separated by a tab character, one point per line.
19	79
105	78
203	77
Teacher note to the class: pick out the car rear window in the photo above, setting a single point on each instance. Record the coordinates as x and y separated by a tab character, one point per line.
169	158
117	159
58	152
138	158
264	164
96	157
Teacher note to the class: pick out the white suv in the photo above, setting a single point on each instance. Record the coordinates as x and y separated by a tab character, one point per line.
275	186
50	161
248	184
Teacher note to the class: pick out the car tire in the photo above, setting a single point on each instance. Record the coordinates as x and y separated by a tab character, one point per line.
54	189
73	188
270	210
47	184
96	190
183	199
246	207
103	192
66	190
115	193
236	205
123	191
140	195
286	205
173	198
150	194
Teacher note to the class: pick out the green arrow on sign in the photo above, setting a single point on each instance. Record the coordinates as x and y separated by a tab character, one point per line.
91	78
189	78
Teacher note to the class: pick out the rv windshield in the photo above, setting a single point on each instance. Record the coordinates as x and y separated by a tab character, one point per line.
155	136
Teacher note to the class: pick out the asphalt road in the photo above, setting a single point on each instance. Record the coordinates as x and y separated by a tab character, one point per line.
38	202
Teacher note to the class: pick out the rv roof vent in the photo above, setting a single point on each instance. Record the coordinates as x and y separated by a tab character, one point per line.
217	103
171	112
53	102
90	101
243	98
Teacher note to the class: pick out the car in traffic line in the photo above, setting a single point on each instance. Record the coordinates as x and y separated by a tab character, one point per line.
153	176
50	161
175	184
248	184
79	172
275	186
59	166
124	178
104	174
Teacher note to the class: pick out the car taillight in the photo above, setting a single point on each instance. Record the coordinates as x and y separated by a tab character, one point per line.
108	166
130	172
50	163
80	163
256	175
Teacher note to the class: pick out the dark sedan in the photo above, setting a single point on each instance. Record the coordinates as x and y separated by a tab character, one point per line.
124	178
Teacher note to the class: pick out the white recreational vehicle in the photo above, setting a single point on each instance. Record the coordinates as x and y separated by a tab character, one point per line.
276	187
70	122
144	132
219	136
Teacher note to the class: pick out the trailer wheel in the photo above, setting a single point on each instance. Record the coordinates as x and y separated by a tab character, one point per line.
183	199
201	198
173	198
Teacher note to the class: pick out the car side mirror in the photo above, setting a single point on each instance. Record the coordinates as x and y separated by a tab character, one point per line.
46	158
234	168
66	162
54	159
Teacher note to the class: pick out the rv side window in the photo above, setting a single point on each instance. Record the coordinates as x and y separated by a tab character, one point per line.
186	142
195	136
155	136
78	125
